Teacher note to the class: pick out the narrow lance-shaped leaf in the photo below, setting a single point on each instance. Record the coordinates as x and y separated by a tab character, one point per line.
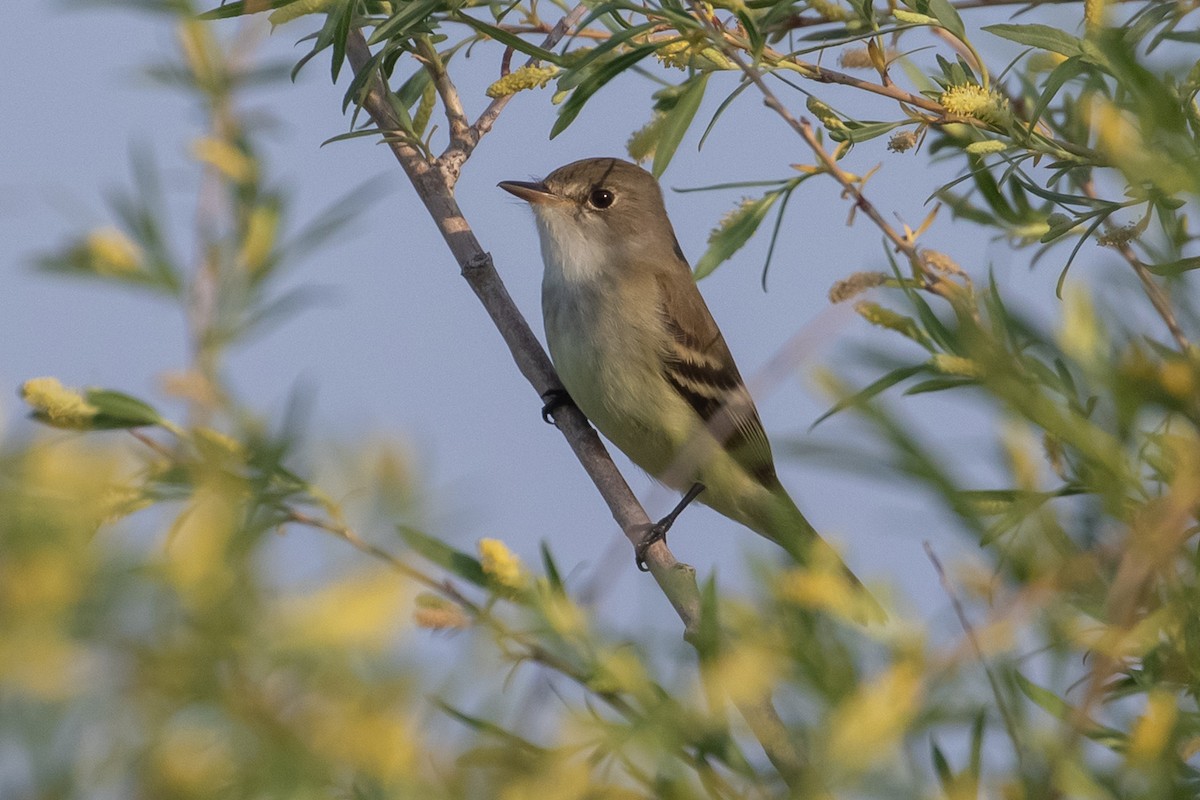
733	232
237	9
866	393
677	122
593	83
442	554
948	16
510	39
1042	37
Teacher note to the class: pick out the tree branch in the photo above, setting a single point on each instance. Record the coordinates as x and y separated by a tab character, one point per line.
677	580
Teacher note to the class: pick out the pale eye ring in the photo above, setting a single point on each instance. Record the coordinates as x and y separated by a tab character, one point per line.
601	198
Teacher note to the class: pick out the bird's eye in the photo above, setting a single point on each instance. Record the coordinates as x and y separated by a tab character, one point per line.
601	198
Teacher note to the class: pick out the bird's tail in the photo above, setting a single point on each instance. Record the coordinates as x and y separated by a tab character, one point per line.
823	578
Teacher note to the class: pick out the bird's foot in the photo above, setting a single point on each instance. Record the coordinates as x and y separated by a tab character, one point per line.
658	531
555	399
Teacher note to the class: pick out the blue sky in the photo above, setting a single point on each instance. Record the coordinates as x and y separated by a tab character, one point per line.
403	351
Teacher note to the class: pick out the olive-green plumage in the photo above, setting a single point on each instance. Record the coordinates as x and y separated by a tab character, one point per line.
639	352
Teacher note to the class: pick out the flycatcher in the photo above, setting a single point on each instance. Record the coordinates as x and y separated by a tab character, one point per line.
640	354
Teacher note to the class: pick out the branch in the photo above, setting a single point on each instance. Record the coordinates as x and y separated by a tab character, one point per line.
456	116
804	128
1158	298
436	192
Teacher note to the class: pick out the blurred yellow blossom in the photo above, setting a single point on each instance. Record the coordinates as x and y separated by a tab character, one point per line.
856	284
193	758
437	613
825	584
225	157
867	727
364	733
1152	732
194	560
501	565
111	252
259	240
361	610
61	406
747	671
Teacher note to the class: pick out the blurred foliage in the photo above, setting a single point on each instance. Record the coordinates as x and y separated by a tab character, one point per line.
149	646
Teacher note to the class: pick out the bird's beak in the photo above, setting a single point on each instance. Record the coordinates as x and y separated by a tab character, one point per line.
531	192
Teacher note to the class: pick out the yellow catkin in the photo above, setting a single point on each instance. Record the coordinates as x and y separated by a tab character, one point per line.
829	11
986	148
259	241
972	100
937	260
527	77
111	252
886	318
856	284
60	405
956	365
297	9
825	114
642	142
438	614
501	565
856	58
225	157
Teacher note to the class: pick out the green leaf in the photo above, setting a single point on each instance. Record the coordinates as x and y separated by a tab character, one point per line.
1171	268
334	34
1064	72
593	83
948	16
677	121
551	569
1053	704
940	384
871	390
119	410
445	556
733	232
587	62
238	9
941	766
510	39
485	726
708	635
862	131
413	16
1042	37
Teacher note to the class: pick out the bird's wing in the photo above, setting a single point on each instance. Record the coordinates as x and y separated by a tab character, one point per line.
701	369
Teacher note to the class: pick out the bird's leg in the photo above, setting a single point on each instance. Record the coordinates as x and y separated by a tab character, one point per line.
658	531
555	398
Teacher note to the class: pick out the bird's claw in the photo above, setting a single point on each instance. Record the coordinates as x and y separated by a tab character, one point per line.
656	533
555	399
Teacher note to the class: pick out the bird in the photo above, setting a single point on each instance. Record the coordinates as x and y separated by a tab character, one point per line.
639	353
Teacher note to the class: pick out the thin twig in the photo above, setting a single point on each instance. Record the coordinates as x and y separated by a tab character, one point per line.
1009	723
804	128
456	115
1158	298
153	444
